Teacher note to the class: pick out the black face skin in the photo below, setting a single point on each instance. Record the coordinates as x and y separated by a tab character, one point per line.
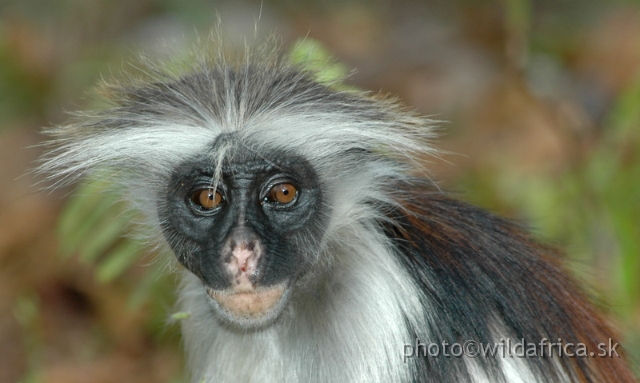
246	218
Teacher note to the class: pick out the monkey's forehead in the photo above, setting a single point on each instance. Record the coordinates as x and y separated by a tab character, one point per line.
243	161
249	163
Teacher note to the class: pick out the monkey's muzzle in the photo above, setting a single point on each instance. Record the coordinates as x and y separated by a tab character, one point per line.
246	302
249	304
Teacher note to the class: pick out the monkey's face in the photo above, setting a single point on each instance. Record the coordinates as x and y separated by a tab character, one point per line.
248	235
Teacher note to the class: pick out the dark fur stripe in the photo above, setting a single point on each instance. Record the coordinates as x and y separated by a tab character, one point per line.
476	269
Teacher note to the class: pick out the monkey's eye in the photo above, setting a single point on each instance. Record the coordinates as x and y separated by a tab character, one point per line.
282	193
207	199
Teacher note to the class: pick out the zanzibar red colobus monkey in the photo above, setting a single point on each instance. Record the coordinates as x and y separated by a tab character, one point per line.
312	248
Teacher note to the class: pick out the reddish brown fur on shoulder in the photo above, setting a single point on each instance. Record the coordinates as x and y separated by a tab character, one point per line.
478	267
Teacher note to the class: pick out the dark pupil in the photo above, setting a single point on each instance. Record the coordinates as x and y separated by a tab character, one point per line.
211	196
285	191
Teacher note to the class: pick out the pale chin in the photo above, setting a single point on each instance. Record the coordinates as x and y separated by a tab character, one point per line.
249	308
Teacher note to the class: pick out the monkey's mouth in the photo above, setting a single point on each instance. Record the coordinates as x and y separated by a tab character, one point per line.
250	306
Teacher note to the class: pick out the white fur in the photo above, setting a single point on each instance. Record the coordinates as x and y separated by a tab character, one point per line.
344	330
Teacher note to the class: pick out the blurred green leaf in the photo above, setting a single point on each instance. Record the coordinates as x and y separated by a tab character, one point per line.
120	258
105	233
313	55
181	315
86	210
624	118
27	311
95	224
21	92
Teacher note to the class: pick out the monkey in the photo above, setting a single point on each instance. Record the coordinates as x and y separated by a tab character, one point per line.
313	246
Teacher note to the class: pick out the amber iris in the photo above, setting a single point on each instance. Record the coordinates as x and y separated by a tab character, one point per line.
283	193
207	198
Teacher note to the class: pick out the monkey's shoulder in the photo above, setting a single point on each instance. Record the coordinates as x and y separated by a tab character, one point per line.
483	275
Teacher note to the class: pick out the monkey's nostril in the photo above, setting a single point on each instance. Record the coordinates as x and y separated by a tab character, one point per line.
247	246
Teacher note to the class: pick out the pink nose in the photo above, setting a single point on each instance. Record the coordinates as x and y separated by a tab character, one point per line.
242	253
244	258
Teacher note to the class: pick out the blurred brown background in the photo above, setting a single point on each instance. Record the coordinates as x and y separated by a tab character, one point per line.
541	99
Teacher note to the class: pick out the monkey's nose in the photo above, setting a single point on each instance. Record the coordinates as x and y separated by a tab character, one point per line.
243	251
244	258
242	266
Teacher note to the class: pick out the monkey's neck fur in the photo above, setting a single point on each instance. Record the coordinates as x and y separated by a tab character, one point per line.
349	318
374	257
